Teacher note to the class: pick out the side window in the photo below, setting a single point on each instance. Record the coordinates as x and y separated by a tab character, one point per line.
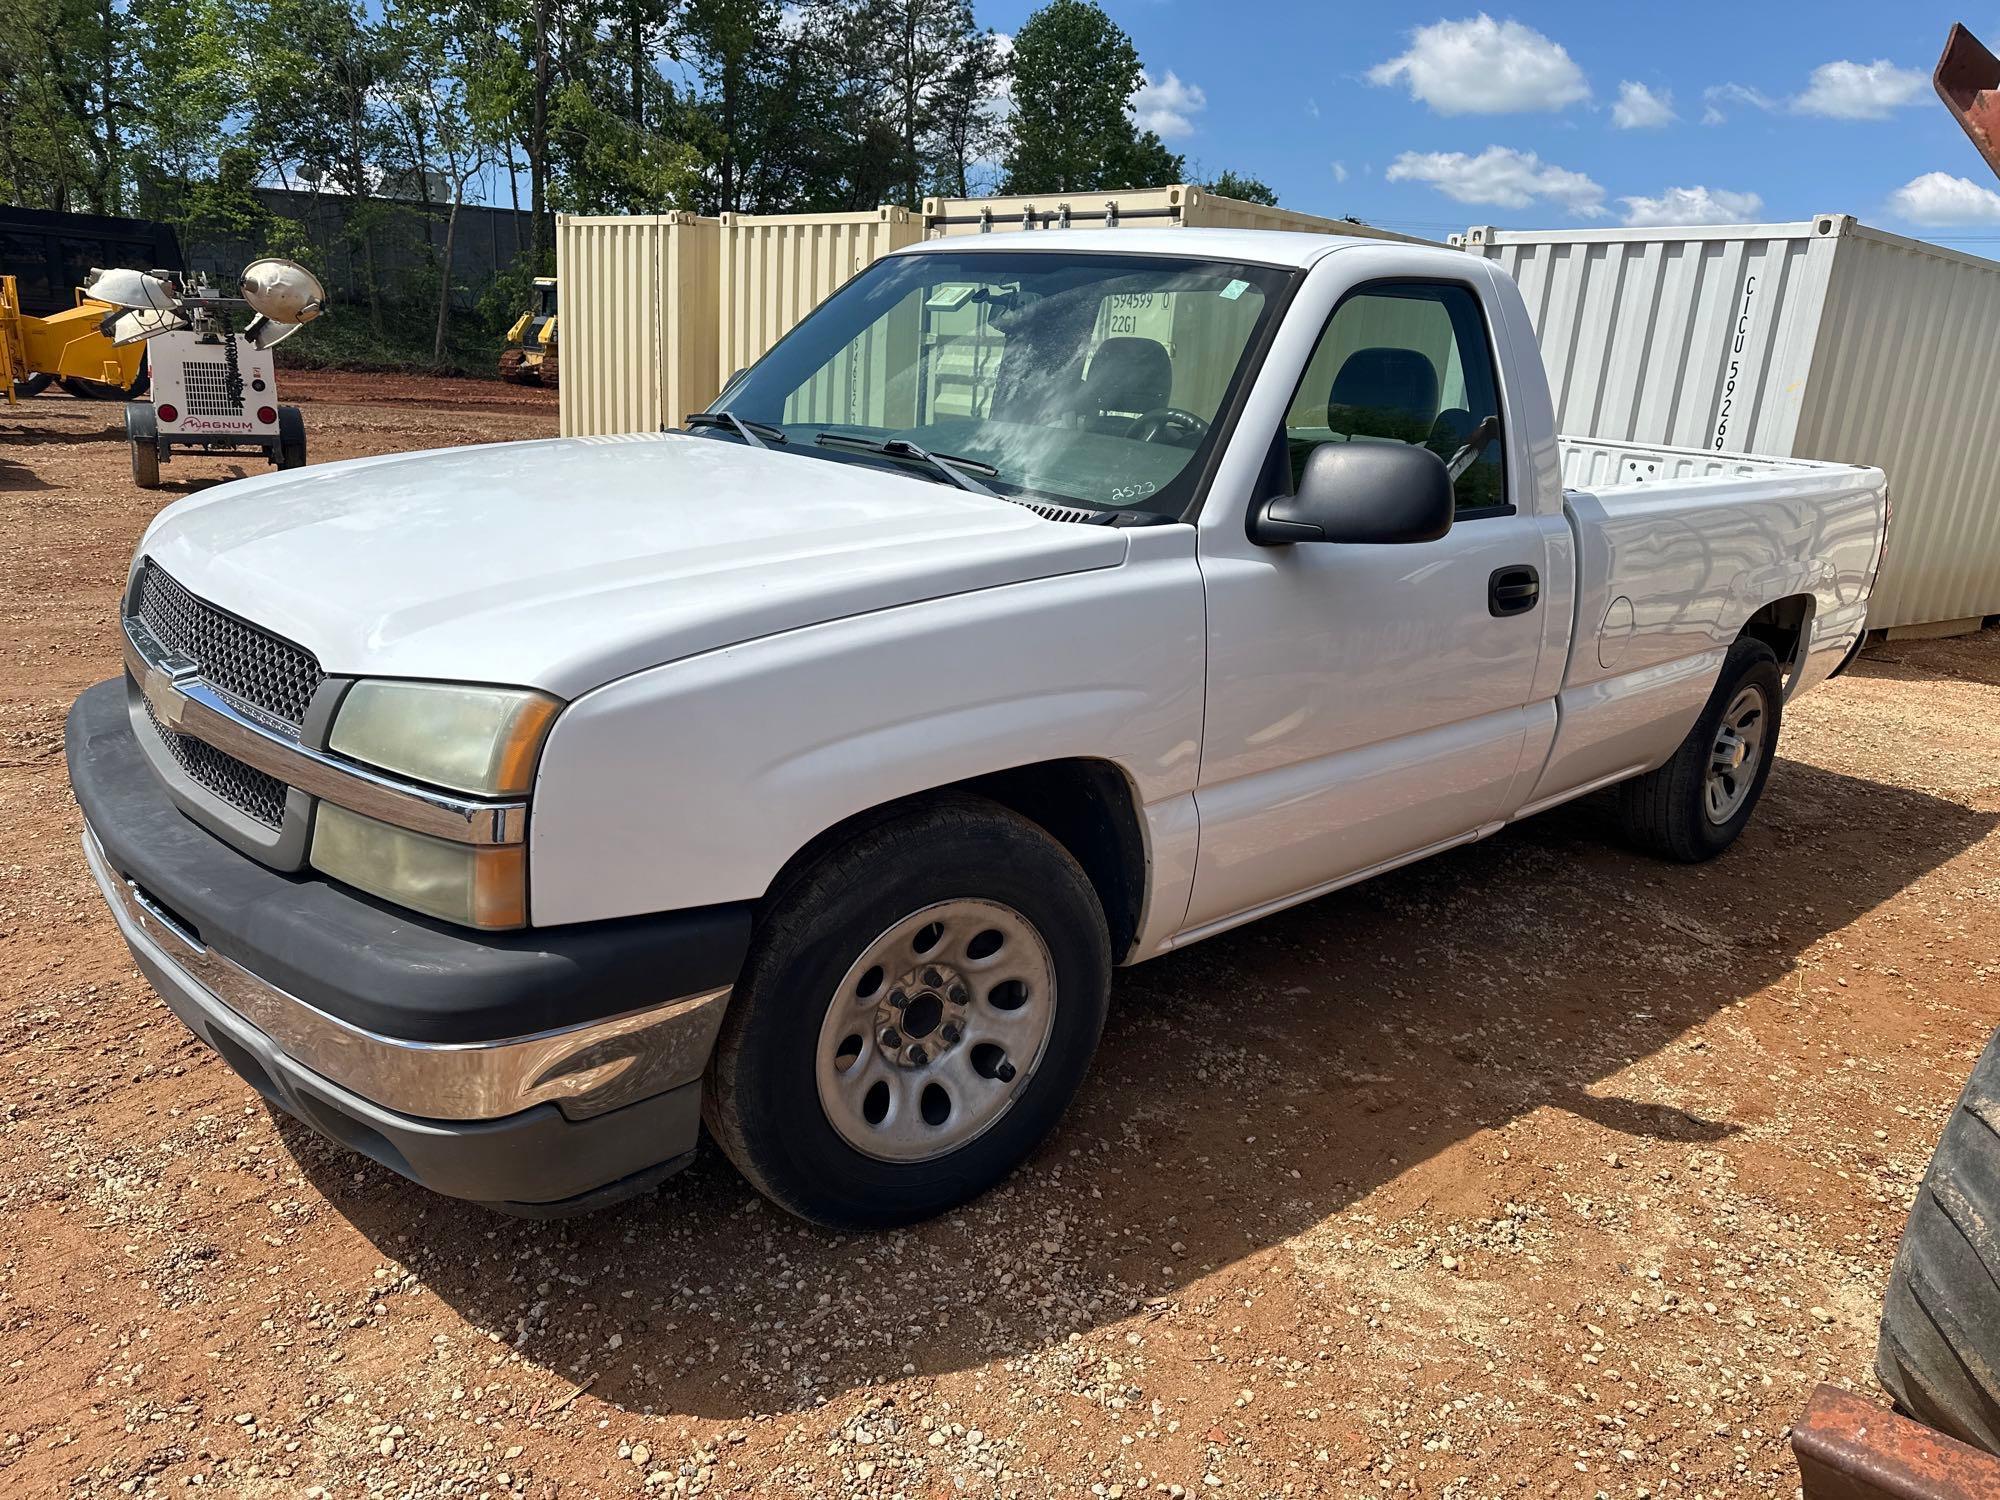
1407	363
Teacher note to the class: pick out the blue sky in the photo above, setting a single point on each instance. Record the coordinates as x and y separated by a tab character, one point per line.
1566	113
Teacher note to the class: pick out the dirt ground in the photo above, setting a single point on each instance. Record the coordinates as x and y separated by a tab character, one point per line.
1539	1168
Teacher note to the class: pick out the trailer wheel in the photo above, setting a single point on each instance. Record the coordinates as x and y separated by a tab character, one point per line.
918	1007
142	431
291	438
1939	1354
1694	807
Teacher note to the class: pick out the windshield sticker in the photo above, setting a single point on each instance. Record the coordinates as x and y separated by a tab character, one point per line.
1234	290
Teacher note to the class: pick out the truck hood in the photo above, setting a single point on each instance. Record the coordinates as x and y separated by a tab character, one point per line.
565	564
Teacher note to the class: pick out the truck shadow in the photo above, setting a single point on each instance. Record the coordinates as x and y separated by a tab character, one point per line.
1246	1093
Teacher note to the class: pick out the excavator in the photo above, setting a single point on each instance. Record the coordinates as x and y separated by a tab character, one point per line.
530	355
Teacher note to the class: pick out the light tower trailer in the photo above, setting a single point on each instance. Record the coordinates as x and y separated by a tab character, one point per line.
213	393
214	388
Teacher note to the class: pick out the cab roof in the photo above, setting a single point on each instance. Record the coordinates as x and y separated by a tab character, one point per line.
1269	247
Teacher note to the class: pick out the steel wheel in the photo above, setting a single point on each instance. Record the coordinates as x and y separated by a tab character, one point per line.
935	1030
1734	757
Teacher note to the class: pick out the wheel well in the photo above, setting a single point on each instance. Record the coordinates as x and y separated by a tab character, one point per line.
1784	626
1087	806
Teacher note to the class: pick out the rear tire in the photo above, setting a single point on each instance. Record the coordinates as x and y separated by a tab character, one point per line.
1939	1354
1694	807
864	1079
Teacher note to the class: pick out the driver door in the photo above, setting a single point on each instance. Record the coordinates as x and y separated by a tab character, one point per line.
1366	703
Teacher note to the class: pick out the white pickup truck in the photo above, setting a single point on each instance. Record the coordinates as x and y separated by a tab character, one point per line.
1042	603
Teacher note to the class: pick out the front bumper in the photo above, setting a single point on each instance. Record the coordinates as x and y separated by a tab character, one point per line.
543	1071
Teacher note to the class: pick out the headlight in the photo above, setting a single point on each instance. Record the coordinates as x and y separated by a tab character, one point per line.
472	885
480	740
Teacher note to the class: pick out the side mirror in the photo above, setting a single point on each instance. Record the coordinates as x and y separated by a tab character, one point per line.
1365	493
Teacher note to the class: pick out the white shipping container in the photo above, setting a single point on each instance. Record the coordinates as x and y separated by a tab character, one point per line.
1824	339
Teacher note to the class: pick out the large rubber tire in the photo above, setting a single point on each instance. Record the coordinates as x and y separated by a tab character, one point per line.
1939	1354
99	390
1664	812
761	1097
31	385
142	431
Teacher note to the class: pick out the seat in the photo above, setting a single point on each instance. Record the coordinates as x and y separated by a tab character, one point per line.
1127	376
1384	393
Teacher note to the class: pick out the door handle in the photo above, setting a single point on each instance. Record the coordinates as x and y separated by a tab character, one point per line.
1513	591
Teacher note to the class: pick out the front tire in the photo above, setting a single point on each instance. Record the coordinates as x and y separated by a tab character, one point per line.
1694	807
918	1008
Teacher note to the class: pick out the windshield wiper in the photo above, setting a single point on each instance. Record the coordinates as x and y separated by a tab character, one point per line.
753	433
945	465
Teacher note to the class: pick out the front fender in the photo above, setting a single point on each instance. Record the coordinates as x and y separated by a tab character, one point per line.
693	783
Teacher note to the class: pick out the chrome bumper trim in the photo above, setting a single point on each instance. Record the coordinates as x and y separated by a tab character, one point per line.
187	705
584	1070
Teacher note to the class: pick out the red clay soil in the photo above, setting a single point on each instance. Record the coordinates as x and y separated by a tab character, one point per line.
1538	1168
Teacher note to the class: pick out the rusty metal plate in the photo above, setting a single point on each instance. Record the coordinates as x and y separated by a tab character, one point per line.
1968	80
1851	1449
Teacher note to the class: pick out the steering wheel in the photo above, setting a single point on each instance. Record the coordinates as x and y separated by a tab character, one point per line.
1182	427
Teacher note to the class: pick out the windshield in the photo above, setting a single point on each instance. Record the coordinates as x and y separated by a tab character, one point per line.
1091	380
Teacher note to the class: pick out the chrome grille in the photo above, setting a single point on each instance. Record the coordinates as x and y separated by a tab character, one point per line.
244	788
269	678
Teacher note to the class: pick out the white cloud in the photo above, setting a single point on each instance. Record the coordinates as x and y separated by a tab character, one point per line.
1340	171
1167	106
1639	108
1485	67
1836	91
1859	91
1940	198
1502	177
1692	205
1733	93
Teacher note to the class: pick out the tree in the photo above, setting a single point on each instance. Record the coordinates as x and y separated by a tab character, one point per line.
1075	73
967	128
1249	189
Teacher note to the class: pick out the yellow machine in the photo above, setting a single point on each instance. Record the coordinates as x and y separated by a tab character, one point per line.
530	355
69	346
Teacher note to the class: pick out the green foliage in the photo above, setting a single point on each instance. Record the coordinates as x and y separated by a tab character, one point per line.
1239	185
1075	73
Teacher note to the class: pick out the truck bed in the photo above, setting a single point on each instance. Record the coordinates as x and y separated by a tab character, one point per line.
1602	464
1676	548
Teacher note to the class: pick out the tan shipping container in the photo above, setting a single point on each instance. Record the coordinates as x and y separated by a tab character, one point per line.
639	334
777	268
